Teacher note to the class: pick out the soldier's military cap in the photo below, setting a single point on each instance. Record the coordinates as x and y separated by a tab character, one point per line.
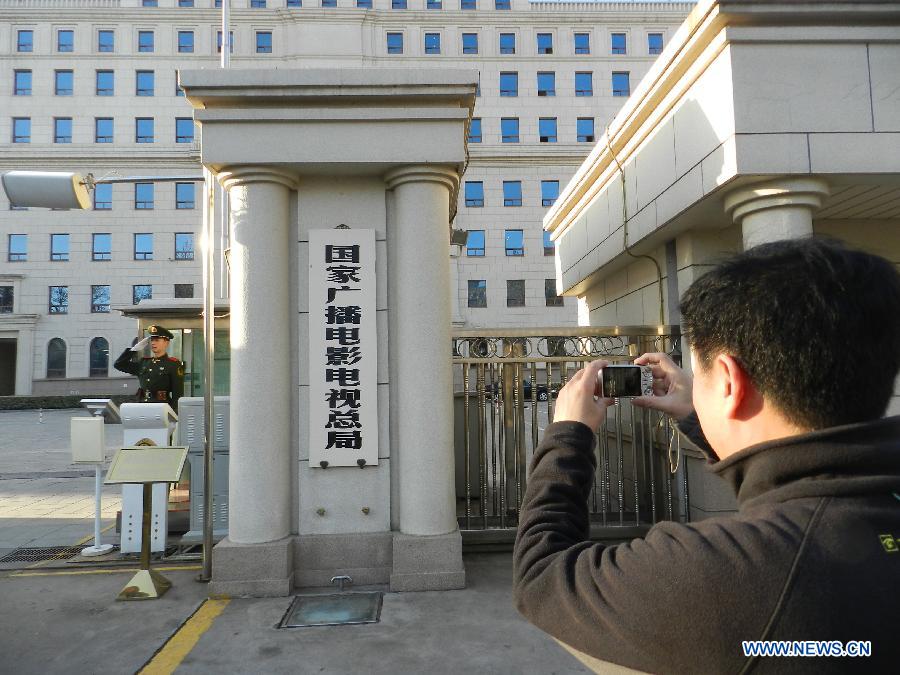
159	331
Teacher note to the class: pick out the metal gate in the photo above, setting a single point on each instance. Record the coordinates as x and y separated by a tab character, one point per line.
506	382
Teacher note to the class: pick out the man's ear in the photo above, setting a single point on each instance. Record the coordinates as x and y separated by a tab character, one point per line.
740	400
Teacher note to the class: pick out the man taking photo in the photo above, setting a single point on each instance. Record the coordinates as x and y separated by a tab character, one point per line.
795	349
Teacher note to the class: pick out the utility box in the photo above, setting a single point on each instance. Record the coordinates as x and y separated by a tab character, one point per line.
88	440
191	417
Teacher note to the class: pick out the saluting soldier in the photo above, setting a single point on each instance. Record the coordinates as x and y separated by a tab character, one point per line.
161	376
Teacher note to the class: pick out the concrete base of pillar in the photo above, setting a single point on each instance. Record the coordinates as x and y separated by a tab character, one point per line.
254	570
432	563
365	558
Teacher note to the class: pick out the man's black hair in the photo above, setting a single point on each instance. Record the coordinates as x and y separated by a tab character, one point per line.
815	325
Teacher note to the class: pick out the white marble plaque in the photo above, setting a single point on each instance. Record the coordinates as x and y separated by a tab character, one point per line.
343	348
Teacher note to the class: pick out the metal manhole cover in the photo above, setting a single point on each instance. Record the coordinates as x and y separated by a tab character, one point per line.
41	554
333	610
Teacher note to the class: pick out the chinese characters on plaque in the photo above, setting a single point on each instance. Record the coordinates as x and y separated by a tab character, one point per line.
343	384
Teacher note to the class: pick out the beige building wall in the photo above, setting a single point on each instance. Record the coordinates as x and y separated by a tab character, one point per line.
310	36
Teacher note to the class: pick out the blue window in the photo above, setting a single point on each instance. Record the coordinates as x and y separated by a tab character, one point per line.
545	43
620	84
584	84
263	42
470	43
185	41
512	193
475	130
152	3
21	130
395	43
294	3
100	300
507	43
501	4
258	4
144	83
101	247
141	292
582	43
432	43
18	247
514	241
549	192
106	41
509	129
547	129
102	197
59	304
65	41
178	90
475	243
546	84
184	246
509	84
477	293
219	42
619	43
25	41
106	83
433	4
654	43
143	130
474	193
143	246
185	3
63	82
103	130
584	129
143	195
62	129
398	4
145	41
467	4
22	83
548	244
59	247
184	195
184	130
364	4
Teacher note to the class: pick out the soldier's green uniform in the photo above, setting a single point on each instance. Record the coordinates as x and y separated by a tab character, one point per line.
161	378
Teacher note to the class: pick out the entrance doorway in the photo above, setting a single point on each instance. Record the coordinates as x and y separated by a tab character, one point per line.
7	366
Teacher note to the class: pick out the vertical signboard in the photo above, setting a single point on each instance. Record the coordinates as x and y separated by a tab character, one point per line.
343	348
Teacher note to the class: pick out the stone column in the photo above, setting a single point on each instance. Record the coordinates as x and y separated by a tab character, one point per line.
428	549
780	208
259	481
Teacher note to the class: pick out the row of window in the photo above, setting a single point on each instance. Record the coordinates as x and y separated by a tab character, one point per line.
101	295
513	243
98	358
584	83
101	247
185	197
547	130
512	192
515	293
144	130
104	83
469	43
363	4
65	41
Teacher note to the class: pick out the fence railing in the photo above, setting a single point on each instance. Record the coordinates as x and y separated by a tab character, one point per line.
505	384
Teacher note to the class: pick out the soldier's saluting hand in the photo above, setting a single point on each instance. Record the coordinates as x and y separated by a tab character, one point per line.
161	376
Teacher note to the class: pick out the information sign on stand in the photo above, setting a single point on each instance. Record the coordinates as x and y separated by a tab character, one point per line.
146	466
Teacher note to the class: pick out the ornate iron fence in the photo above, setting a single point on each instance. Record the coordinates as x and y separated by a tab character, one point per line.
506	381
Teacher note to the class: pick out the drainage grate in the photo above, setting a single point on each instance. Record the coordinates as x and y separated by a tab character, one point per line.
333	610
41	554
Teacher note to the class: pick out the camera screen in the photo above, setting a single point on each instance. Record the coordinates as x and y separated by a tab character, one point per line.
622	381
